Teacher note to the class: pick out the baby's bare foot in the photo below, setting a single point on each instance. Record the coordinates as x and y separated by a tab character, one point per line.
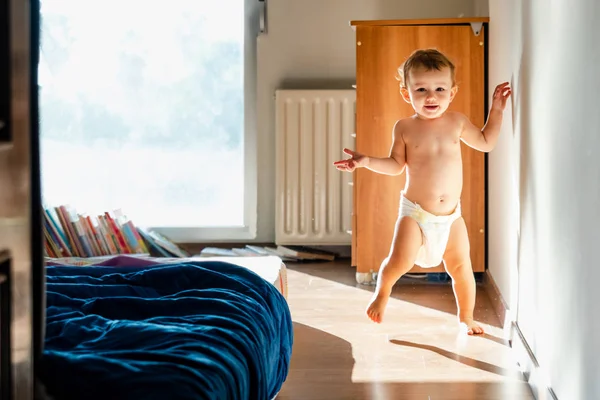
471	327
377	307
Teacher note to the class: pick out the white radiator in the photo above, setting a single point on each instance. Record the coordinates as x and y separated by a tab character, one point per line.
314	199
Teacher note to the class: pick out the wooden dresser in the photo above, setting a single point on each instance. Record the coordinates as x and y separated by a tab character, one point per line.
381	47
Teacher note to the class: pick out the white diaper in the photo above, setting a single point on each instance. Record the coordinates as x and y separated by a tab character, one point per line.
435	230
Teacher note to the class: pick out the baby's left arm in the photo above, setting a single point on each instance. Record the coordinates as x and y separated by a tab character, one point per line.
485	139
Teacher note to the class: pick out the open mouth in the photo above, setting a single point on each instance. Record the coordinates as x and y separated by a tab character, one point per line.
431	107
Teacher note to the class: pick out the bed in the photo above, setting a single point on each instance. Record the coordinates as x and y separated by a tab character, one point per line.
148	328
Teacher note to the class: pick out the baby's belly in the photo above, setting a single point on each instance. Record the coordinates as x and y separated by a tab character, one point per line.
435	191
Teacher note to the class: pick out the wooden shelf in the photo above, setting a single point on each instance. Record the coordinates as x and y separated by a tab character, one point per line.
432	21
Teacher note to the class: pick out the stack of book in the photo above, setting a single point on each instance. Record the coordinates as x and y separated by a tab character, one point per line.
70	234
286	253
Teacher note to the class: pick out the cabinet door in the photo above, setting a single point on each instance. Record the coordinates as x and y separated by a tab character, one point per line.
380	51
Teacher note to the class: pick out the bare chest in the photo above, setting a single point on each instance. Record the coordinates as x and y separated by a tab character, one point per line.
433	142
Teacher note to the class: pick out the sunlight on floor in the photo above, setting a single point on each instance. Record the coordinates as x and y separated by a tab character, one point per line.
319	290
416	353
414	343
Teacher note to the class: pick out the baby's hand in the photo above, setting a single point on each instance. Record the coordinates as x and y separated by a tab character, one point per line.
501	94
356	161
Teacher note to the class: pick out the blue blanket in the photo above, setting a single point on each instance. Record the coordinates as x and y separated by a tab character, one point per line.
197	330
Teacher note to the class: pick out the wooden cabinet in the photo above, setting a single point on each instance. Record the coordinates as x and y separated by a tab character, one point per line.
381	47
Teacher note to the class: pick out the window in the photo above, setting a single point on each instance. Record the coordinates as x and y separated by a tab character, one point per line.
149	107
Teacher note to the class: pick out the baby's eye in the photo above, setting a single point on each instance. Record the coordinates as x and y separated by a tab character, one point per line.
420	89
440	89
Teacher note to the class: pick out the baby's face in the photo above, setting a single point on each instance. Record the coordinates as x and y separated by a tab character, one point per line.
430	92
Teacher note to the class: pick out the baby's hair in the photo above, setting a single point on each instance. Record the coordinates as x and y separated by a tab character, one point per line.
428	59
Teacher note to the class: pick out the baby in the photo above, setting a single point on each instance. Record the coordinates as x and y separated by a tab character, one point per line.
430	228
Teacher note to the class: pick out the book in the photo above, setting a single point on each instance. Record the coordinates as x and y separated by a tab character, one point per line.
286	253
68	233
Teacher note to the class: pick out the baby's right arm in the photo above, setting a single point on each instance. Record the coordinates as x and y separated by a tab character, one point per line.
392	165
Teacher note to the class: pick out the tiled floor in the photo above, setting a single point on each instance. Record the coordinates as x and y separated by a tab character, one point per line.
416	353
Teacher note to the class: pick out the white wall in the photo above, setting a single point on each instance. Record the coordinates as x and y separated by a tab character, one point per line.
504	164
545	184
481	8
311	45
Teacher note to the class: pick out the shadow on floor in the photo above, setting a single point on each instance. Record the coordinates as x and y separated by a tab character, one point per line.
468	361
496	339
322	365
415	291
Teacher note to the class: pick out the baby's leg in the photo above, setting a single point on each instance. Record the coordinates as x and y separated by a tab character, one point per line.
405	245
457	260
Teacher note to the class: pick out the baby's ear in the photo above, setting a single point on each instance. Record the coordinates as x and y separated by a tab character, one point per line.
453	92
405	94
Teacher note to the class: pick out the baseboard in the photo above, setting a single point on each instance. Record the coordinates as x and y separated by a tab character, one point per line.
532	372
498	303
529	366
